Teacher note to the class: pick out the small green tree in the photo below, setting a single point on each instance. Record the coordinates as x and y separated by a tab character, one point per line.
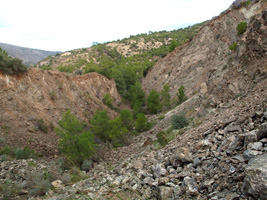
153	102
181	95
137	108
117	132
142	124
100	125
120	82
127	119
179	121
233	46
9	65
108	100
166	97
241	28
173	45
75	142
136	94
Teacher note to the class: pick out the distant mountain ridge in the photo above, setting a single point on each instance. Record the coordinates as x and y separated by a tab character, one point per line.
28	55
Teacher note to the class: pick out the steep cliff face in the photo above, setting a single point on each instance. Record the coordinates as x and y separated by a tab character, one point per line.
38	99
207	66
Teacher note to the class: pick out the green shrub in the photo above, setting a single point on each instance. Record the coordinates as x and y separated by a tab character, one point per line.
24	153
179	121
118	134
42	126
74	142
166	98
6	150
9	65
174	43
241	28
127	119
66	68
142	123
38	183
44	67
161	138
108	100
87	165
100	124
233	46
8	189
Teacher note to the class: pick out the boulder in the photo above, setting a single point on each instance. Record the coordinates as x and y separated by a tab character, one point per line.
256	177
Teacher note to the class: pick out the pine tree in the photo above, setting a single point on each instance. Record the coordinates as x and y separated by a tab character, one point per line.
166	98
75	142
153	102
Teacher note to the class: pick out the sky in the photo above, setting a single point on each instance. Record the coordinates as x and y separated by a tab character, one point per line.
62	25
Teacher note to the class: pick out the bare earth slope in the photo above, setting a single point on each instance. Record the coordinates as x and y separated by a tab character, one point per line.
39	96
206	65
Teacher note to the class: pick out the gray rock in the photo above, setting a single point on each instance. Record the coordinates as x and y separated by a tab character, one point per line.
177	191
248	154
163	180
138	164
255	183
232	196
255	146
196	162
166	192
232	169
148	180
232	128
250	137
158	170
191	185
262	131
182	155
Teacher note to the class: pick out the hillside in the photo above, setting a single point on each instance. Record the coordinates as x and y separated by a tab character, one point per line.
29	56
221	153
125	60
38	98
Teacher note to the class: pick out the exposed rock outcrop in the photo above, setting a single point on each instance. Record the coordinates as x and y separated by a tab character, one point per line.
205	66
40	97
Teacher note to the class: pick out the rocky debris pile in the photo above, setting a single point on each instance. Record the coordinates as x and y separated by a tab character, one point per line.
227	161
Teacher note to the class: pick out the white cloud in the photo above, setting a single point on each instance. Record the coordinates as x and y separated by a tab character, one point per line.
69	24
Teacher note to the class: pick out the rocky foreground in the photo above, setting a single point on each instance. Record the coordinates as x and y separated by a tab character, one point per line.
223	158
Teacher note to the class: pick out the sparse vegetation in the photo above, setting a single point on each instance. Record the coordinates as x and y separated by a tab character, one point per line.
233	46
42	126
9	65
181	95
108	100
127	69
241	28
18	153
179	121
161	138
